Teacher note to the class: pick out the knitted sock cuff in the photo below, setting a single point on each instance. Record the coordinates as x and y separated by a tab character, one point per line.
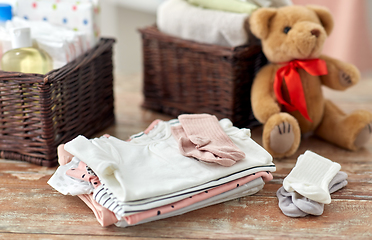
204	127
311	177
178	132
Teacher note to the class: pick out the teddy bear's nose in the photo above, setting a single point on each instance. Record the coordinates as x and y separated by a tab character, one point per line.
315	32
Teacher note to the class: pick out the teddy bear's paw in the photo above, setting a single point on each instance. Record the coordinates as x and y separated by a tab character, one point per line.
282	138
348	75
281	135
363	136
345	79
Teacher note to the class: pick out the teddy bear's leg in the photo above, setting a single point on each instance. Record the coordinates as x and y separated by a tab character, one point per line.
281	135
347	131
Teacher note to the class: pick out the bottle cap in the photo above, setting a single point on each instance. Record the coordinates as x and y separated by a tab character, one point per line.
21	37
5	12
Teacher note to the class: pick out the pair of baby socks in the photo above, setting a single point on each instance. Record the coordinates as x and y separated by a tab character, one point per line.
308	186
293	204
202	137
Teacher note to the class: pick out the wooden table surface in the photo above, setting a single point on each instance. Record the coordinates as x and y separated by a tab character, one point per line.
31	209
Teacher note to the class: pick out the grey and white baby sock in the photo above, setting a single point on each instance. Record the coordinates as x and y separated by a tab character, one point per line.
293	204
308	186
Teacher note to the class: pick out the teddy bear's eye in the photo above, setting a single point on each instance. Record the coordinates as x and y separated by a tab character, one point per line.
286	29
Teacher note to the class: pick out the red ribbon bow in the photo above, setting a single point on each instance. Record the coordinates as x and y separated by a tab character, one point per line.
315	67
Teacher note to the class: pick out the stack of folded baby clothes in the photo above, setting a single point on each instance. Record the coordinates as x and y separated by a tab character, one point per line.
219	22
171	168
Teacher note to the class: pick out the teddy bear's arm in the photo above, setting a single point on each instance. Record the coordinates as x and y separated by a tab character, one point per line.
263	99
340	75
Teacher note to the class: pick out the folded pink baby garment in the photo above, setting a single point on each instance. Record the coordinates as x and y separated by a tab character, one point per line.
103	215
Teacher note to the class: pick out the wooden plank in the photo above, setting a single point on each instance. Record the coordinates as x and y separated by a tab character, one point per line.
251	216
11	236
22	175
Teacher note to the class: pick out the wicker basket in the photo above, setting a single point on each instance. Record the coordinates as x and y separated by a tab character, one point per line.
39	112
182	76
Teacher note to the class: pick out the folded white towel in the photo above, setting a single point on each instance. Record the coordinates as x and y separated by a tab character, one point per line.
63	45
181	19
270	3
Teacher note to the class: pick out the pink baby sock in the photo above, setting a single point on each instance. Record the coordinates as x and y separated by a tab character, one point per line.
201	136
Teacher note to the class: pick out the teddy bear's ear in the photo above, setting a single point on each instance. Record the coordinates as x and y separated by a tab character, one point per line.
324	16
259	22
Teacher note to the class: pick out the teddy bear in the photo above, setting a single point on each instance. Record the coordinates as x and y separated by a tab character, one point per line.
286	93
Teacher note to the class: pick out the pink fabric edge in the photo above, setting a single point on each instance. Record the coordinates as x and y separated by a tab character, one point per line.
104	216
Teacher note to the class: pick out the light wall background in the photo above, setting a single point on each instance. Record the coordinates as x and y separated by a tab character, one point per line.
121	19
350	41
